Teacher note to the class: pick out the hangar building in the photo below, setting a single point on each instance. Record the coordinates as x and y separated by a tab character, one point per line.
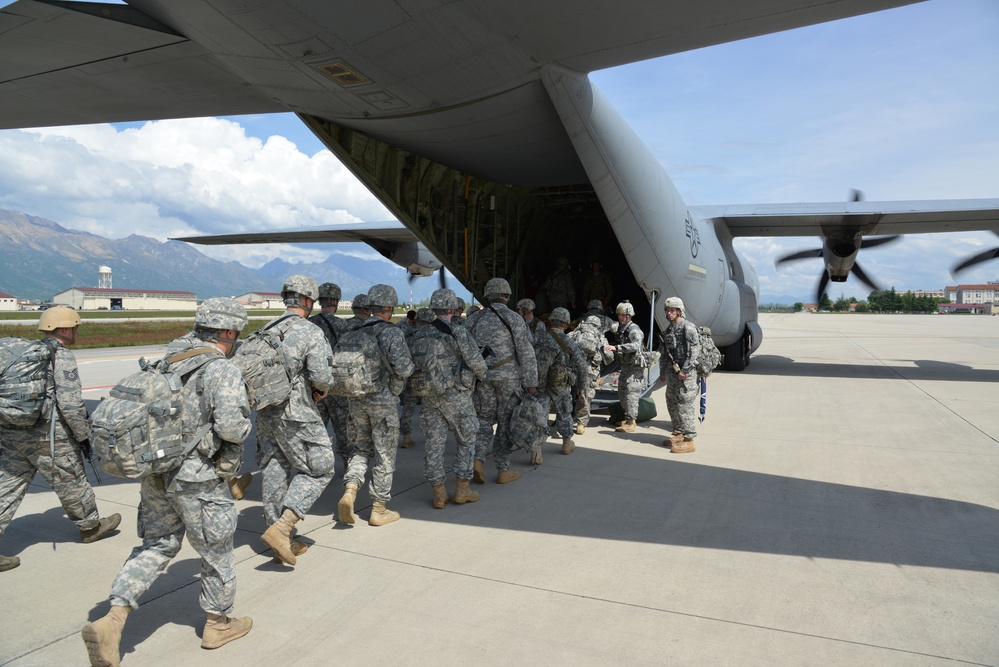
118	298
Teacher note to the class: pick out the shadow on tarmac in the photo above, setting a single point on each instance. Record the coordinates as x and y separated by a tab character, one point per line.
926	369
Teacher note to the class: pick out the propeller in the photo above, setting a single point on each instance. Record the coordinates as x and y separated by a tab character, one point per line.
841	254
976	259
440	275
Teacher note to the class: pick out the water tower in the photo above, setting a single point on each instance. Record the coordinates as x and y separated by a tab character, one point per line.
104	277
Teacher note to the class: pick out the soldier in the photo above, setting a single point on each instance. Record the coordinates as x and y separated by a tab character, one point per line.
459	311
509	353
450	407
559	288
590	340
526	309
361	312
628	351
561	366
597	286
376	415
192	499
293	447
596	309
408	327
53	446
677	368
335	409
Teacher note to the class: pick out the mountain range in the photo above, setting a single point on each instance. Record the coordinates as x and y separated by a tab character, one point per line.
41	258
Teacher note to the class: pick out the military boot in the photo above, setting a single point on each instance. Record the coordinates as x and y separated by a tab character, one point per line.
440	496
103	527
407	441
237	485
9	563
345	508
381	515
536	458
627	426
568	446
463	494
103	636
477	475
278	538
580	429
297	548
685	446
507	476
220	630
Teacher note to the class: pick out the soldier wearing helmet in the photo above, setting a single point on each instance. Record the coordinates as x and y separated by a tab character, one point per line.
408	326
360	308
375	416
448	408
597	286
526	309
628	351
559	288
562	367
192	500
589	337
508	350
677	368
53	445
333	409
293	447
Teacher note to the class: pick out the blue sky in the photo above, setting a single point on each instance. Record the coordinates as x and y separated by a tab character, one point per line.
902	104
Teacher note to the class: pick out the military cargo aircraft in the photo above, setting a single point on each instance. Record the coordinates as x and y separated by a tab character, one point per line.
474	122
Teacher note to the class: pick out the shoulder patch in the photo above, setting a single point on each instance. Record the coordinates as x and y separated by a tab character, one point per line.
72	376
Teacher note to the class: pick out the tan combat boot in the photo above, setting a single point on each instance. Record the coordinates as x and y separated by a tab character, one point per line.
9	563
536	458
568	446
345	508
381	515
463	494
407	441
685	446
220	630
103	527
580	429
627	426
440	497
278	538
237	485
103	636
477	475
507	476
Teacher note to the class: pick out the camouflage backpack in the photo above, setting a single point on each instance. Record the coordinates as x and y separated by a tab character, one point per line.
358	363
433	360
554	363
24	370
260	359
138	430
528	427
710	357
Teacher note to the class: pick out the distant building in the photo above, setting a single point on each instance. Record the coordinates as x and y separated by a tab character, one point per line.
972	308
950	293
972	294
933	294
8	301
106	298
261	300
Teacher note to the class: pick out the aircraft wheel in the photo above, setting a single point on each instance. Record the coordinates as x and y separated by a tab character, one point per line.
736	355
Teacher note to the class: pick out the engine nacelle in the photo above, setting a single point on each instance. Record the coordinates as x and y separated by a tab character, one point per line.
412	256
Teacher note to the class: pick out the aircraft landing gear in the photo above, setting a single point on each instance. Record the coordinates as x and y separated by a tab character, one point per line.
736	355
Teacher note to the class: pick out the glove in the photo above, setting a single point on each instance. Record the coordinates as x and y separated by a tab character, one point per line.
85	448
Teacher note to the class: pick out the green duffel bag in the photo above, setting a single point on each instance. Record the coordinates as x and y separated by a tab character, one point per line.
646	410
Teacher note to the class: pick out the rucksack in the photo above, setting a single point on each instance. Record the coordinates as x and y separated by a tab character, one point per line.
260	359
555	363
138	430
528	426
24	370
434	360
358	365
710	357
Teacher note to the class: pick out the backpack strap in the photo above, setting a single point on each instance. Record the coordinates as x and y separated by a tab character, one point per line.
561	343
443	328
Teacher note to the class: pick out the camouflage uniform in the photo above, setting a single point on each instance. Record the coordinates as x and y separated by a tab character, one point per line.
335	409
631	379
194	499
452	409
560	289
597	287
512	364
25	451
589	339
682	395
560	397
376	416
406	398
293	447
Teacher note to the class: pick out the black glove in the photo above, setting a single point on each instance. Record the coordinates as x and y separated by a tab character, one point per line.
85	448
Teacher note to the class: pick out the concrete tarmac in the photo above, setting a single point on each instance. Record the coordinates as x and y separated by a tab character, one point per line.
842	508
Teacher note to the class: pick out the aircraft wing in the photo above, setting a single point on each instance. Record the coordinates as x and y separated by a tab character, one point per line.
375	233
863	217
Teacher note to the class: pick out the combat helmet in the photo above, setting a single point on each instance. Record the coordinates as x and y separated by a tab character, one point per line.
674	302
58	317
625	308
360	302
560	315
426	315
383	296
442	299
301	284
595	304
526	304
330	291
220	313
592	321
497	287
